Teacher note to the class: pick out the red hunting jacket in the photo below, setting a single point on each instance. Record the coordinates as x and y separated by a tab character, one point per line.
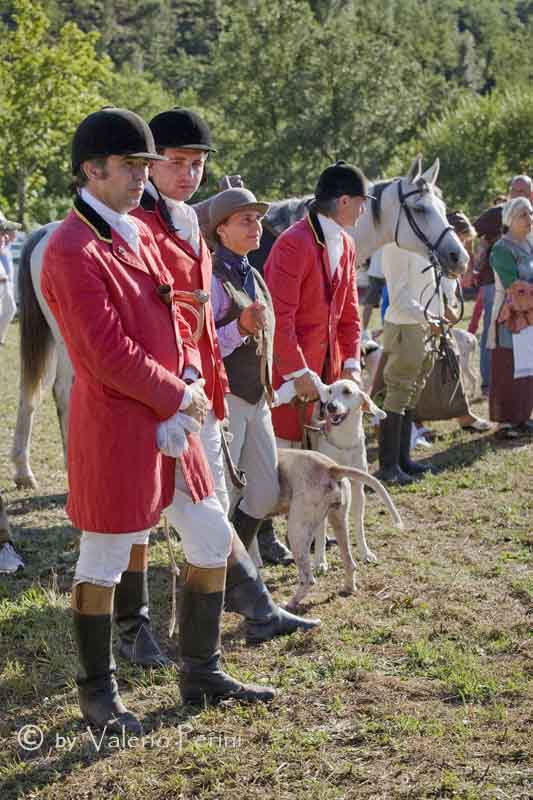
189	272
317	316
127	351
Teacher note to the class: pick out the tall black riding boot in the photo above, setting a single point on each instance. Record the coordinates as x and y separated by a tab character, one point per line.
389	450
406	463
100	703
245	525
201	678
137	641
272	550
246	594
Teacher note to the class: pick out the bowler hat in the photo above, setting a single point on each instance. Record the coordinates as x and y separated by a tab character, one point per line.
7	224
228	202
341	178
181	128
112	132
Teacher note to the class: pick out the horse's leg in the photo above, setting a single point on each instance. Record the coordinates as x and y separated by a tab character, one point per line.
61	391
20	453
37	351
30	397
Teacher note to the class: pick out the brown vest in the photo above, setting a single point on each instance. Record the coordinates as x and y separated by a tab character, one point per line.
243	366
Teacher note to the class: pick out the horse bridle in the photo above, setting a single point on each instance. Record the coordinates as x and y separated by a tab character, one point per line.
444	348
413	224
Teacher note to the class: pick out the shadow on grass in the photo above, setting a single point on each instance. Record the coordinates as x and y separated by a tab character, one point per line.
32	503
465	453
36	770
48	554
460	454
37	673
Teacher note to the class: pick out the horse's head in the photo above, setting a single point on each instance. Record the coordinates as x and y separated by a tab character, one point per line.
421	225
409	212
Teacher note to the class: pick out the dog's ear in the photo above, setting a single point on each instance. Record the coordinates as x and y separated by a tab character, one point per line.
370	407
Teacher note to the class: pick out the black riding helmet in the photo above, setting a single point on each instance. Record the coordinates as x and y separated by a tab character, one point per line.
112	132
341	178
181	128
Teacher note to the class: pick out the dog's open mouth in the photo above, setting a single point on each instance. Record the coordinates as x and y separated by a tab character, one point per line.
336	419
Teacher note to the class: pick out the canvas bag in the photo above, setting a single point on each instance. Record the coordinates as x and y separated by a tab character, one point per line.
442	397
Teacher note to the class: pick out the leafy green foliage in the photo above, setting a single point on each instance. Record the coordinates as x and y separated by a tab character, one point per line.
287	85
481	143
47	87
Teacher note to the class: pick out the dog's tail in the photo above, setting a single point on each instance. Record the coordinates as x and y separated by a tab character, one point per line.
337	472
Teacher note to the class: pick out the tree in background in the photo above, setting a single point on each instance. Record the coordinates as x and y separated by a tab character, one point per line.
482	143
290	89
288	85
47	87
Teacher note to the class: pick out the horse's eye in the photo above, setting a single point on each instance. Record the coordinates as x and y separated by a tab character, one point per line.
419	209
346	391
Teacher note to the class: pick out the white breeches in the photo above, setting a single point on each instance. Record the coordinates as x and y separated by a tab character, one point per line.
105	556
211	440
204	527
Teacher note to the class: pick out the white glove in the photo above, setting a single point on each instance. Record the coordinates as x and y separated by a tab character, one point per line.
171	434
195	403
287	391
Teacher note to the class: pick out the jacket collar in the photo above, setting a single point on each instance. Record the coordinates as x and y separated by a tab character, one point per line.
105	233
158	206
95	222
316	227
318	233
148	202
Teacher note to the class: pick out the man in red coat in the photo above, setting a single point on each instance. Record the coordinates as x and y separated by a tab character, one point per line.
184	138
105	283
310	272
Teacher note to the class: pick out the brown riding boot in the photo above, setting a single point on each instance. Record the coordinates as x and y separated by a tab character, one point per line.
201	678
100	703
137	641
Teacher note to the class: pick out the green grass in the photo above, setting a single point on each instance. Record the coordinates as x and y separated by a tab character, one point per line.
417	687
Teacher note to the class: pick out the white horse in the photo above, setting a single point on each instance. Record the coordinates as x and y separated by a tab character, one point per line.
406	210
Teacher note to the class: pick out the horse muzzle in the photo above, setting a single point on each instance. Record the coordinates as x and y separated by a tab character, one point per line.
453	261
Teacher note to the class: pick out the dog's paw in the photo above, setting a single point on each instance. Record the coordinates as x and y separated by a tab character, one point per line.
321	568
368	557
